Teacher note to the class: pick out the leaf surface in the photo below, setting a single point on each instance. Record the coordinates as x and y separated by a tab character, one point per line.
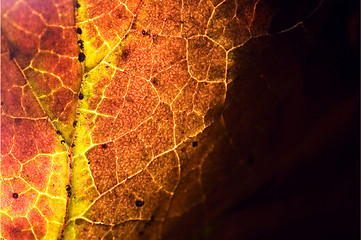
141	119
133	88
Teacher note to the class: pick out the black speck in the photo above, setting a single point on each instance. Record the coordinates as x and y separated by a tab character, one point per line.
77	5
81	57
58	132
68	189
88	162
73	145
145	33
74	123
62	141
181	22
104	146
139	203
195	144
79	31
81	96
81	44
15	195
206	83
106	66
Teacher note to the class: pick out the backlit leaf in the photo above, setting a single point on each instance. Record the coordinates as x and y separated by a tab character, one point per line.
131	119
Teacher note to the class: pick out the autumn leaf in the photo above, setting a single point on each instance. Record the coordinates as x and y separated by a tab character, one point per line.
127	119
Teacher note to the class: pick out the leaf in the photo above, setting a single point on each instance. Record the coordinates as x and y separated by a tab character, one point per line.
132	120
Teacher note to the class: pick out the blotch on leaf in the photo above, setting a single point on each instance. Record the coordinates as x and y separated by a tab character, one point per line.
195	144
81	57
17	120
81	96
139	203
79	31
15	195
81	44
125	54
145	33
68	190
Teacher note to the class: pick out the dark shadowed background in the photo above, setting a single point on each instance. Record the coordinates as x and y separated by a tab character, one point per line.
293	113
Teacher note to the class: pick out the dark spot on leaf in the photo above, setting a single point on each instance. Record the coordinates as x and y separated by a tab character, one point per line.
206	83
88	162
62	141
181	22
81	57
79	31
195	144
125	54
11	54
18	120
81	44
126	36
139	203
15	195
58	132
106	66
68	189
74	123
104	146
81	96
73	145
141	233
145	33
154	81
77	5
